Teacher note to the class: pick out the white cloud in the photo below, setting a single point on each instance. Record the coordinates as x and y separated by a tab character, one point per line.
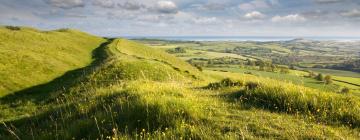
167	7
66	4
205	20
328	1
255	4
274	2
210	6
289	18
255	15
104	3
132	6
351	13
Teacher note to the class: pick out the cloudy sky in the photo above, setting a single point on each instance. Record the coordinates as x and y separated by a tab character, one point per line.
189	17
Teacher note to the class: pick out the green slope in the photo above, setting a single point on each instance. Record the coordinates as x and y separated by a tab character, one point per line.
131	91
29	57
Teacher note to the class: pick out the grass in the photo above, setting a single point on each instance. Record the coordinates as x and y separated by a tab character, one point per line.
30	57
207	54
295	77
139	51
131	91
336	72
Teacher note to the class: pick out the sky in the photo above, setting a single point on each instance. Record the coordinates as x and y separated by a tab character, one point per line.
298	18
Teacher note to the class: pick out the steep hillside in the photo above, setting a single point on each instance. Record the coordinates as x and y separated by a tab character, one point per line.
29	57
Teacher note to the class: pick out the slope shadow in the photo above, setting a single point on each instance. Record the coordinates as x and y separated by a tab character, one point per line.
249	101
41	93
67	122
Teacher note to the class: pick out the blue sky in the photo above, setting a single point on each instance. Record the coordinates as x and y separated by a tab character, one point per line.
188	17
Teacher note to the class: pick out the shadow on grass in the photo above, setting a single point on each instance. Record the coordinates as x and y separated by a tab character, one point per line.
40	93
120	112
319	110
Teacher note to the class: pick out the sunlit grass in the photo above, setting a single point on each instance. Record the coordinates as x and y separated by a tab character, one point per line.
136	92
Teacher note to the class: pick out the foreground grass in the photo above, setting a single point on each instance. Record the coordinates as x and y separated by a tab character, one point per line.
130	95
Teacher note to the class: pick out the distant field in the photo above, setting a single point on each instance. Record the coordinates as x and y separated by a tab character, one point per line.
308	54
354	86
207	54
348	79
336	72
295	77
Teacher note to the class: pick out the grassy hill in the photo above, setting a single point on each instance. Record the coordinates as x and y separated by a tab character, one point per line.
30	57
131	91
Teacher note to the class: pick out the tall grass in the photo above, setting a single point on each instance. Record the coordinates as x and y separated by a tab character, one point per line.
326	107
125	94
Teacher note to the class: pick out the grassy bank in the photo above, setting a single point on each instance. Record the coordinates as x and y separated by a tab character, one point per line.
30	57
131	91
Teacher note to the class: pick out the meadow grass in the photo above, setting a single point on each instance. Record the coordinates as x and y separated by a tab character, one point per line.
336	72
295	77
30	57
131	91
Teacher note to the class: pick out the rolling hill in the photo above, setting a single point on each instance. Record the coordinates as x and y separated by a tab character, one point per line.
30	57
131	91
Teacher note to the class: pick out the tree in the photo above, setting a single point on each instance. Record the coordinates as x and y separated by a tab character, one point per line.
248	61
328	79
261	65
319	77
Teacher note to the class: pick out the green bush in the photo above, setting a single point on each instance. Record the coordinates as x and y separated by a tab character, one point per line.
345	90
227	82
319	77
328	79
251	85
14	28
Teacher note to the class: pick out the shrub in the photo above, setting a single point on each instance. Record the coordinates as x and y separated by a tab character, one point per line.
227	82
14	28
251	85
199	67
328	79
284	69
345	90
319	77
176	50
312	74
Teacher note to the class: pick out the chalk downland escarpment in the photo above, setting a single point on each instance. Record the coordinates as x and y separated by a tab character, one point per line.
131	91
30	57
